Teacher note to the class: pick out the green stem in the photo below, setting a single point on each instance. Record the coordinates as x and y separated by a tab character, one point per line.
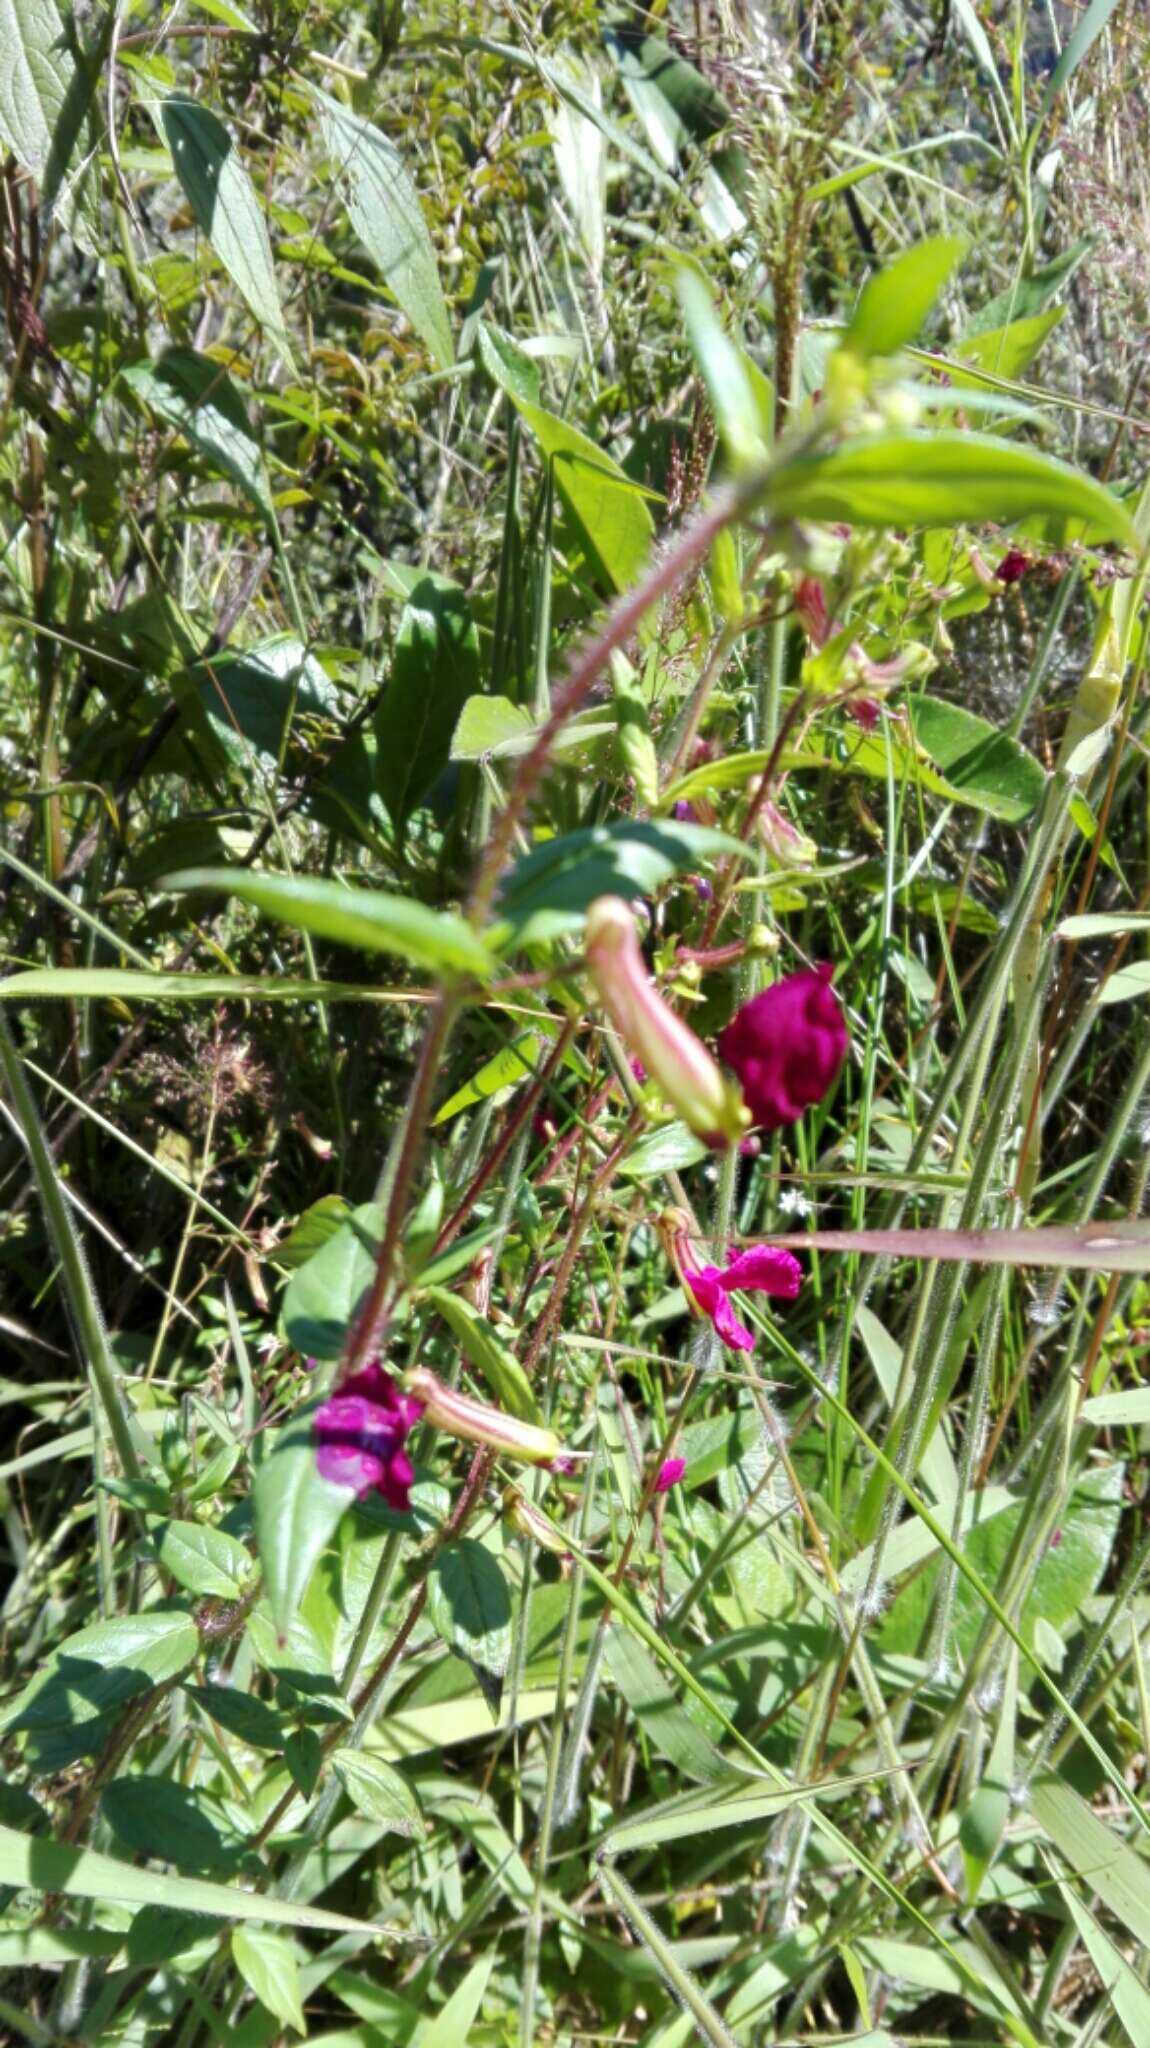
87	1319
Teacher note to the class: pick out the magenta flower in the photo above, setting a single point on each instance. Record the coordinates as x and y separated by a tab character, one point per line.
1013	566
670	1472
786	1046
361	1434
763	1269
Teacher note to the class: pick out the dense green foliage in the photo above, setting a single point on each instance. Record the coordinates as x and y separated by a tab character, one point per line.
458	464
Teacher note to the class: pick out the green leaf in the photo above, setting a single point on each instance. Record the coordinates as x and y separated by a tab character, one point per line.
1086	33
242	1714
503	1071
493	729
1067	1573
368	919
1111	1869
550	889
451	2027
130	984
894	303
944	479
435	669
386	215
988	768
1030	295
296	1515
508	365
303	1755
659	1711
1008	351
683	114
725	373
203	1560
31	1863
668	1149
378	1790
252	700
488	1354
194	395
90	1677
1129	984
325	1292
311	1231
1122	1990
223	199
44	101
160	1933
1127	1410
689	1815
608	508
1103	924
155	1816
471	1607
267	1964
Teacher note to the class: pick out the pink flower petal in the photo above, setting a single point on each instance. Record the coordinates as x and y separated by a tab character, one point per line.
705	1285
670	1472
730	1329
763	1269
346	1465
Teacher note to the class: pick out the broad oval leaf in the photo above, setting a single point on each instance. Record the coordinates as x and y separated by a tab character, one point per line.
386	215
44	102
66	1709
471	1607
369	919
551	888
378	1790
155	1816
268	1966
944	479
222	197
325	1291
252	700
202	1559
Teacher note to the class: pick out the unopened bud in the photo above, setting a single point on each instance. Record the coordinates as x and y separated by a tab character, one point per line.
524	1517
762	942
678	1062
458	1415
783	841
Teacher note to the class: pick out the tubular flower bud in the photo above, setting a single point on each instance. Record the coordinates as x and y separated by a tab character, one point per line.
677	1062
458	1415
783	841
524	1517
669	1474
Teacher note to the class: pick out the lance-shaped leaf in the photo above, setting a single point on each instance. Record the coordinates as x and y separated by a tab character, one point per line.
386	215
221	195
